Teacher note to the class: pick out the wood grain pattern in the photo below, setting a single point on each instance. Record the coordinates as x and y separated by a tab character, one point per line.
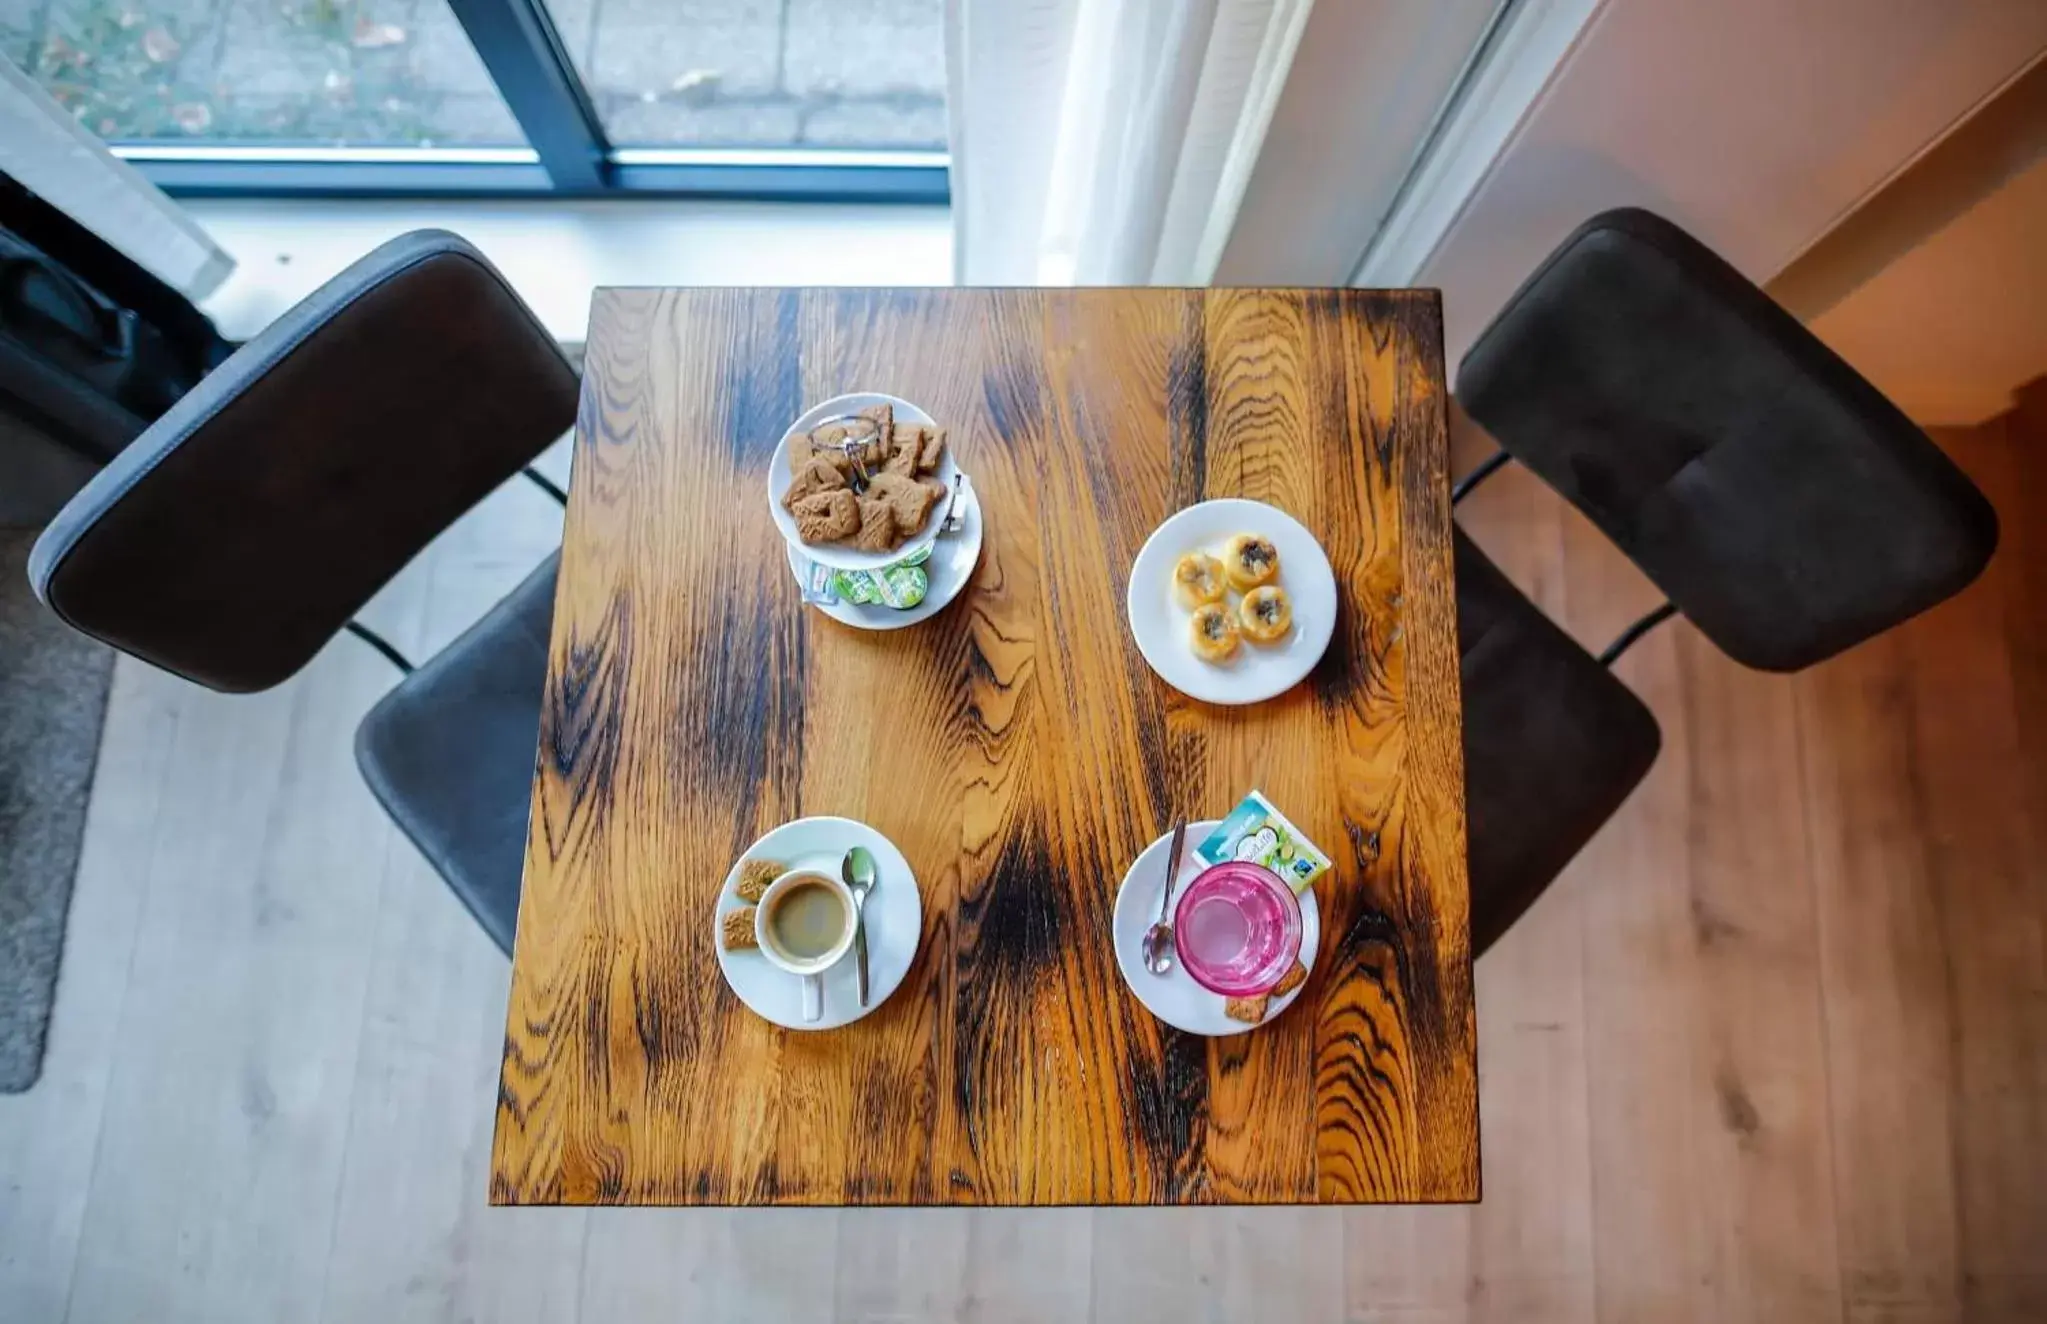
1015	747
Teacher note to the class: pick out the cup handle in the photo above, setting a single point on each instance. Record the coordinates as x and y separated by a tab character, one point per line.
813	999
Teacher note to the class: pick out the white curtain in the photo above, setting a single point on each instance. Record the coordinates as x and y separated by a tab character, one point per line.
50	154
1107	142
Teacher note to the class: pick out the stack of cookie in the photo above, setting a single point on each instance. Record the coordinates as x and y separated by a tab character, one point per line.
864	480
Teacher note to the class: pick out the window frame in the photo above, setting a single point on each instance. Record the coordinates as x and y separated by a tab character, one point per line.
568	153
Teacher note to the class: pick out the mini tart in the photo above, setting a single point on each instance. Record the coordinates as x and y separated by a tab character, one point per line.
1250	560
1198	580
1265	614
1212	633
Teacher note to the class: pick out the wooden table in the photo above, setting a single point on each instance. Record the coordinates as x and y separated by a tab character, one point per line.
1015	747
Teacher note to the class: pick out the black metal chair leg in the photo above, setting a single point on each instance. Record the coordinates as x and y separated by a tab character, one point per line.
1492	465
1636	631
541	481
381	644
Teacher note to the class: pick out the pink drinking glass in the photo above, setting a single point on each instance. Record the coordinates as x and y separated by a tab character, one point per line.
1237	929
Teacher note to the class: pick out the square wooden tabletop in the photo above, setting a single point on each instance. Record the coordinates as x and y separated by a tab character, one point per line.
1015	747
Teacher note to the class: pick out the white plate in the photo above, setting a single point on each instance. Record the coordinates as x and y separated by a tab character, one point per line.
1174	997
832	554
1258	671
894	915
952	562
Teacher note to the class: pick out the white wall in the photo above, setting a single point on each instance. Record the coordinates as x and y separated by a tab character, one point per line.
1952	327
1755	124
1366	83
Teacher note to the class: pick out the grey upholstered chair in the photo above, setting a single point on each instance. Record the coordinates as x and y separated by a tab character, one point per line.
1772	494
239	533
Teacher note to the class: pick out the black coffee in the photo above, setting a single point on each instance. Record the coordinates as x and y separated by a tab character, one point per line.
809	918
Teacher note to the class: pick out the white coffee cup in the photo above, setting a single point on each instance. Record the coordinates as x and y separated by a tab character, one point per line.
809	966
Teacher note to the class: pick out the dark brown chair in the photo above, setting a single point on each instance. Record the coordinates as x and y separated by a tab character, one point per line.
246	527
1553	744
1775	497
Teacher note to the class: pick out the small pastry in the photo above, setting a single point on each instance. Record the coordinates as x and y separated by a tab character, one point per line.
904	460
1293	980
737	926
815	476
877	531
1265	614
754	877
1197	580
1213	633
1248	1010
1250	561
909	500
882	444
932	452
827	516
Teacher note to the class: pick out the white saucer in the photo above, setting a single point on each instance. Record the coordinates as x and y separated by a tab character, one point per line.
894	915
1258	671
1174	997
832	554
952	562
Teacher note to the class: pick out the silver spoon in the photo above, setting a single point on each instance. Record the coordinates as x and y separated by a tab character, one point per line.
1158	939
858	871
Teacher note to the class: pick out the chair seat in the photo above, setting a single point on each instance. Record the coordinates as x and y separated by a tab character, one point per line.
450	751
1553	743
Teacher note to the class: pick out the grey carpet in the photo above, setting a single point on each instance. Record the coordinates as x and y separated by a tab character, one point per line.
53	697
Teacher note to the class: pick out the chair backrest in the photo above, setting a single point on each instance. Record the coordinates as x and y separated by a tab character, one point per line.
1778	499
232	539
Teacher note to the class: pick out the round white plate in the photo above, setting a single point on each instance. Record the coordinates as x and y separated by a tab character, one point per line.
831	554
1174	997
952	562
894	916
1258	671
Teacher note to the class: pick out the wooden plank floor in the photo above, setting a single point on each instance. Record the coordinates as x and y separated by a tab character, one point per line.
1775	1047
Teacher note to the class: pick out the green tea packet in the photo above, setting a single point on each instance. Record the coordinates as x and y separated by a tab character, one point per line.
901	586
1255	831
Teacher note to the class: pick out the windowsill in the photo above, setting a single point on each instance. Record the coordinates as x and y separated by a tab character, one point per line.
555	252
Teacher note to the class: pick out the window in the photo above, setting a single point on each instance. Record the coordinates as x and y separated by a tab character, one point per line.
762	73
786	98
287	72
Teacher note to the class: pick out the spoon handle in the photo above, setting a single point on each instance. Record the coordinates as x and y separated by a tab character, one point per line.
1172	868
860	949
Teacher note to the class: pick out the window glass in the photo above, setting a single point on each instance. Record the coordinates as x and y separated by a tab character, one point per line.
761	73
290	72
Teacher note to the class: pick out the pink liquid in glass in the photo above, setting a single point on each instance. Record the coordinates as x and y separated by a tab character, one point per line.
1237	929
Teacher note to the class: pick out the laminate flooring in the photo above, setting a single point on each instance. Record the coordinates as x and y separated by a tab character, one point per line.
1774	1047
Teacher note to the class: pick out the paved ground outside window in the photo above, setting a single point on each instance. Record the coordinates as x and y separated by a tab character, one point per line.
753	73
